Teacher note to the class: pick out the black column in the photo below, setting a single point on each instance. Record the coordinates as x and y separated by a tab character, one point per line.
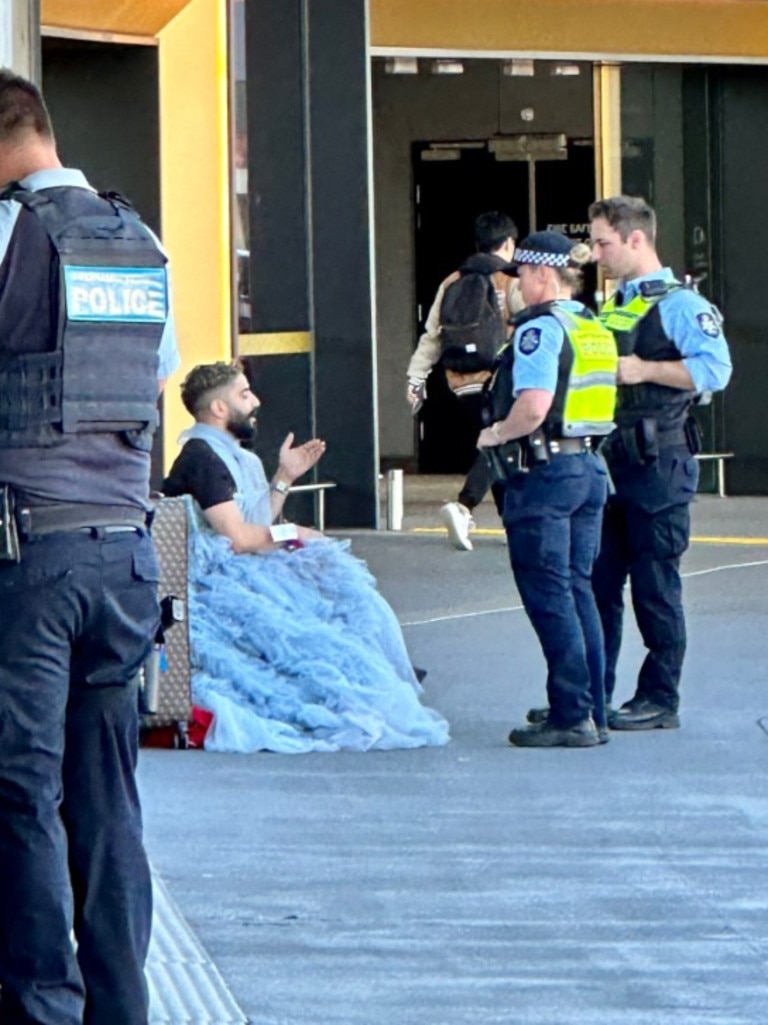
307	95
341	261
277	211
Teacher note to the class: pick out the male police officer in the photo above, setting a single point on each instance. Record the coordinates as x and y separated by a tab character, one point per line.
564	384
84	337
671	347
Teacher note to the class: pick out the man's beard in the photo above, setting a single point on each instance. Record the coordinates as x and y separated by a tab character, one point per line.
242	426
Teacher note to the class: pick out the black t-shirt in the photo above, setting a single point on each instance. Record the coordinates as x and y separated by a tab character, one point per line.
199	472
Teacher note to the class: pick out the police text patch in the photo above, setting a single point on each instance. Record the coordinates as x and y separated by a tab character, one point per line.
709	324
125	294
529	342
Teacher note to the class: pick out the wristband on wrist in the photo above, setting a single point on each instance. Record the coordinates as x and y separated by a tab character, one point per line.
280	486
282	532
495	431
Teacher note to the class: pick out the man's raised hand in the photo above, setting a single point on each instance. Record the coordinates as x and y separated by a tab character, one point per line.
293	462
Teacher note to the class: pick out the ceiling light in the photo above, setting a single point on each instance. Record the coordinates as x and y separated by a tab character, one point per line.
518	68
446	66
401	66
566	69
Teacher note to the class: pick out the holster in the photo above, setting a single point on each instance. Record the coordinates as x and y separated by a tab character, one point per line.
637	445
503	461
535	449
693	435
10	549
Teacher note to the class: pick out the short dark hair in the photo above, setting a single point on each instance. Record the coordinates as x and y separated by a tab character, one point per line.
492	230
626	214
199	385
22	108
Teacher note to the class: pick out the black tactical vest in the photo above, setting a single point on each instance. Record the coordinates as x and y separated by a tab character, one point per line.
648	340
83	305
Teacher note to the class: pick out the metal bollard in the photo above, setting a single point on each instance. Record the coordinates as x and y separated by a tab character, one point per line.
394	500
150	678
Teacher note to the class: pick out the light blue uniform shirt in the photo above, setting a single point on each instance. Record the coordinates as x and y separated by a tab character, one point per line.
168	354
537	345
695	326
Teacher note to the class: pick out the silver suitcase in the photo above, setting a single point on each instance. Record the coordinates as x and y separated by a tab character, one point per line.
167	675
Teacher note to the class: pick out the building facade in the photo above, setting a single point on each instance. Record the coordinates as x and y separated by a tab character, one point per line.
315	168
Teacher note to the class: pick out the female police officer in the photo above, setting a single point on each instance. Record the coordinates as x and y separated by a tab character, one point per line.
563	365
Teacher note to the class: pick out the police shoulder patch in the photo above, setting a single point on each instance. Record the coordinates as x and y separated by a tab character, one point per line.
709	324
530	340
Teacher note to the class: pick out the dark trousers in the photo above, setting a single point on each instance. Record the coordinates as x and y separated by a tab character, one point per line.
552	516
646	548
646	529
477	483
79	615
479	478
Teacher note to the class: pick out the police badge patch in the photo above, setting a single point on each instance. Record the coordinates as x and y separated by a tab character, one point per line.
709	324
529	341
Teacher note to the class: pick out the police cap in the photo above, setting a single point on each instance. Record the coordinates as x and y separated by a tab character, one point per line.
545	248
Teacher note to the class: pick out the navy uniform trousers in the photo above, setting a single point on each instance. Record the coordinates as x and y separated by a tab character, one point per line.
79	614
552	517
646	529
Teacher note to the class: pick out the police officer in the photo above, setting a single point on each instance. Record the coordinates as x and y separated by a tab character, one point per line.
671	347
563	366
85	336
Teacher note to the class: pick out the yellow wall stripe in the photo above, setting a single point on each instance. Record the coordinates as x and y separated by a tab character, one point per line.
276	343
737	28
499	532
702	27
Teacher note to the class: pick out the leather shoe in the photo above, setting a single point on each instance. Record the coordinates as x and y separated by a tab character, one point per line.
539	715
643	715
545	734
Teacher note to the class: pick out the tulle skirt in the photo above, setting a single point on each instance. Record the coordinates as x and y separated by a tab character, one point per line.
297	651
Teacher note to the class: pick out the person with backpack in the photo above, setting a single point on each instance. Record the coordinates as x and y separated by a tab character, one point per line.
465	328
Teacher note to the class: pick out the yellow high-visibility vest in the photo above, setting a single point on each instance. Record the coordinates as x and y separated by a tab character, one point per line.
586	389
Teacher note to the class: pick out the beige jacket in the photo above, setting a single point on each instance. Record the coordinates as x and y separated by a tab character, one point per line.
427	352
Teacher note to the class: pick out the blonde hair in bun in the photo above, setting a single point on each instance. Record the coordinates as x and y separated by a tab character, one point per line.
581	254
571	275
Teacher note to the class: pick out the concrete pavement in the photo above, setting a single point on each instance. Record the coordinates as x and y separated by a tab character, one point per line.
479	884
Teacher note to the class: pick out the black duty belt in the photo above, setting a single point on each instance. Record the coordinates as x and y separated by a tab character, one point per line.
568	446
66	516
670	437
538	449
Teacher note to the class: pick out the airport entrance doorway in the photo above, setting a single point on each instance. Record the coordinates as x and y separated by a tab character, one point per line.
541	181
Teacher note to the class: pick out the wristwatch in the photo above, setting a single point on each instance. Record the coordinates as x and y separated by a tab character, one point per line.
280	486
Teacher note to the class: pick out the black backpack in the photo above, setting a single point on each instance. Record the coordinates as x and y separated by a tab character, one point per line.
472	325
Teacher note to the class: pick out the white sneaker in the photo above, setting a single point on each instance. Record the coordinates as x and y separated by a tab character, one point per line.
459	522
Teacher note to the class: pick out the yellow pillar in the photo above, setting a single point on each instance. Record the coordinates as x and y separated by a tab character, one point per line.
607	105
195	189
607	102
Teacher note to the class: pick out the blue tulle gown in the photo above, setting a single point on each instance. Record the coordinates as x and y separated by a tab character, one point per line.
295	651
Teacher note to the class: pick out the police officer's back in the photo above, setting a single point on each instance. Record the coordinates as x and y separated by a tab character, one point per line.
84	338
